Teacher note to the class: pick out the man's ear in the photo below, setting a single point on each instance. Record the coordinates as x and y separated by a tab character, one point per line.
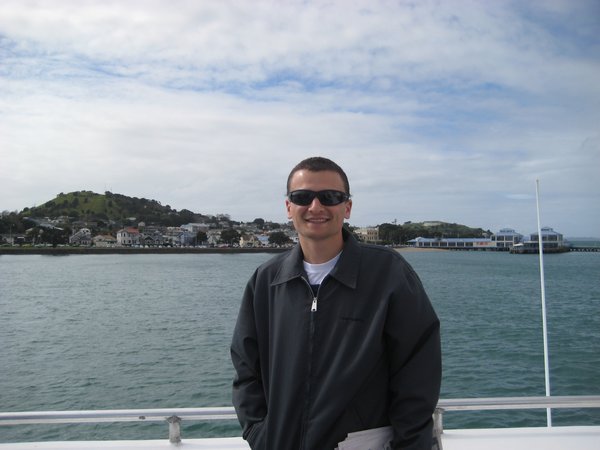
348	209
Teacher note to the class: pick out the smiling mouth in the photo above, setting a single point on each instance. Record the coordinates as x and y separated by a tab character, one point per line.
317	219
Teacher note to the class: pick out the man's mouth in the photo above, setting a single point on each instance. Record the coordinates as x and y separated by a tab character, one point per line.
317	219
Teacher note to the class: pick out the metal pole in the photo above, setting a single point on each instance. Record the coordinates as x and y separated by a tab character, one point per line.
543	291
174	429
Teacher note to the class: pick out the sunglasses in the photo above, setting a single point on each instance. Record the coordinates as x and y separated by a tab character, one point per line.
328	197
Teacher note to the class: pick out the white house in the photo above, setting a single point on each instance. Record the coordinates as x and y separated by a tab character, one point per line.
82	237
369	234
128	236
104	240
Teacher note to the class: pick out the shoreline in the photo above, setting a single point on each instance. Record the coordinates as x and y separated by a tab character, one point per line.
130	251
58	251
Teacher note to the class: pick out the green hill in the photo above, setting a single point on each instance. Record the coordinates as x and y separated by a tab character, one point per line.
109	207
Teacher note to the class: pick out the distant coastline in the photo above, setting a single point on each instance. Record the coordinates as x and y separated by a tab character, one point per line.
57	251
71	250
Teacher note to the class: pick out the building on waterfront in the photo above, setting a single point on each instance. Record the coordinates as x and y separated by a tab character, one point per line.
368	234
82	237
128	236
454	243
152	238
506	238
249	240
552	242
104	240
550	238
179	237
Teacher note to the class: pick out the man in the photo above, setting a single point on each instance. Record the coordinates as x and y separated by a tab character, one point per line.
333	336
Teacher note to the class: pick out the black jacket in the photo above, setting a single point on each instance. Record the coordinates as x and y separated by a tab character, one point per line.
369	356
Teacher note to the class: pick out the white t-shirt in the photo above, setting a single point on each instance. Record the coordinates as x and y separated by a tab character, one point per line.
317	272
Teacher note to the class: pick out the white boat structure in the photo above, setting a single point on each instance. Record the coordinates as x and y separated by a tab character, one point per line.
547	438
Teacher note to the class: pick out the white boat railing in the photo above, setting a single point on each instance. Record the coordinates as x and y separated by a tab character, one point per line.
500	403
174	416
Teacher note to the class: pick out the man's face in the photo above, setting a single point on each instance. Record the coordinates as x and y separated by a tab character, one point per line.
315	221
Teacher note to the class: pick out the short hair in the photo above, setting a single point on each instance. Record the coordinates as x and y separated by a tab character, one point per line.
319	164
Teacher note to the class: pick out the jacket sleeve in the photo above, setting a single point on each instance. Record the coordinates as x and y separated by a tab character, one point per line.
413	340
248	395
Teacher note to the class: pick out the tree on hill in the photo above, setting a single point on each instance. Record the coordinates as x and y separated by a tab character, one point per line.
51	236
230	236
400	234
279	238
201	237
12	223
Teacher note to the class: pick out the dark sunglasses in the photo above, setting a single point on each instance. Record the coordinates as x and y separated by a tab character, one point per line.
328	197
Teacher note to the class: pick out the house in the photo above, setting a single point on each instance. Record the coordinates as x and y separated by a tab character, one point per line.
178	236
172	236
263	240
187	238
249	240
368	234
82	237
128	236
213	237
104	240
152	238
196	227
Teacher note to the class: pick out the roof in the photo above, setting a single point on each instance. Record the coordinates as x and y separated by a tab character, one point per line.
422	239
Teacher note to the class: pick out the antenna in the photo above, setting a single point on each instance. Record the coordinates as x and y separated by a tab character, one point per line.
543	290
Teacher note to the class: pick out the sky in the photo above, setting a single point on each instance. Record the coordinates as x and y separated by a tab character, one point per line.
437	110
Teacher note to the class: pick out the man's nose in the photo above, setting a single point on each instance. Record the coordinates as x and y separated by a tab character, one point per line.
315	204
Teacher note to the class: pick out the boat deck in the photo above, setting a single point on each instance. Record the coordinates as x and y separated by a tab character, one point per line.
547	438
555	438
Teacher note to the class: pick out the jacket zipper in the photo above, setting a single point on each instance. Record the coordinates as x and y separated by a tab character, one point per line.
311	345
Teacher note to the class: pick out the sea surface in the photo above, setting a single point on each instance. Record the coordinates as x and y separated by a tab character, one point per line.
153	331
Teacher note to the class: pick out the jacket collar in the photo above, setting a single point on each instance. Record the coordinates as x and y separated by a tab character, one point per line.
345	271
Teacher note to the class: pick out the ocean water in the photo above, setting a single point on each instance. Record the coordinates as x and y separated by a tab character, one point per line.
153	331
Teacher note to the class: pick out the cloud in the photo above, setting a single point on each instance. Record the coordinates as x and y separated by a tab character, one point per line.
437	110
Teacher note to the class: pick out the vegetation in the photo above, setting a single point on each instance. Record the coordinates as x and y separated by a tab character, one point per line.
230	236
112	208
279	238
102	213
400	234
108	212
13	223
201	237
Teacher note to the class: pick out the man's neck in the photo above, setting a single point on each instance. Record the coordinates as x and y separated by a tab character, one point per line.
319	252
